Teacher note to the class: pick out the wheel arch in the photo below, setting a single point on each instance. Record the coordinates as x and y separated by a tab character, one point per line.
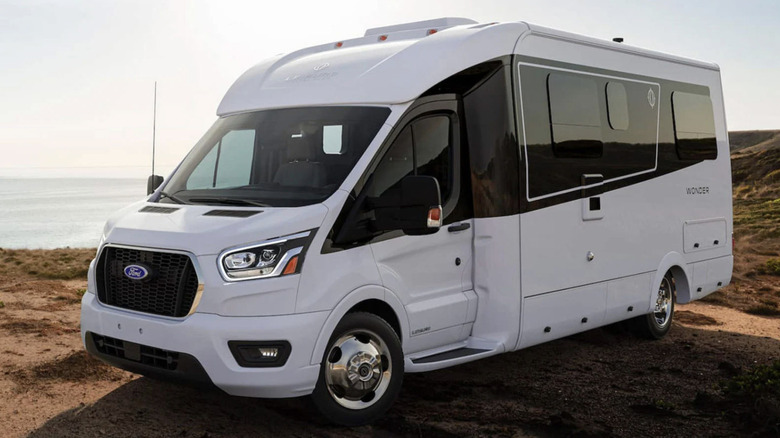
674	263
373	299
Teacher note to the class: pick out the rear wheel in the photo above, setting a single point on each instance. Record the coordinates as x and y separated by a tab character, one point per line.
361	372
656	325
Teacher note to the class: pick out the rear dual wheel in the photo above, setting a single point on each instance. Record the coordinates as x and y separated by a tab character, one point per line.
361	372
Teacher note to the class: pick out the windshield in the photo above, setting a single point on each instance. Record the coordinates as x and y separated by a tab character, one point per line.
277	158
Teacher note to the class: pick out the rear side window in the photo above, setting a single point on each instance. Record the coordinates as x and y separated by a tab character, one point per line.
575	116
694	126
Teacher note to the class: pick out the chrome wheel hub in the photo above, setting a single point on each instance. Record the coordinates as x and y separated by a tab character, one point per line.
358	369
663	304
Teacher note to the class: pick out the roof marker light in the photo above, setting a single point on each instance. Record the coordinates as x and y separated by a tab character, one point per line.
382	37
431	31
339	44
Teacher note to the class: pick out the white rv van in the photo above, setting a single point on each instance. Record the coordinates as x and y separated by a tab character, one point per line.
424	196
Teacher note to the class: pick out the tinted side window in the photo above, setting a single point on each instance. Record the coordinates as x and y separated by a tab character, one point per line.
493	154
694	126
550	105
617	106
575	116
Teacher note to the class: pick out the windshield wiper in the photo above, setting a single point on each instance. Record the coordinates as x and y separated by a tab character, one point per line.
173	198
228	201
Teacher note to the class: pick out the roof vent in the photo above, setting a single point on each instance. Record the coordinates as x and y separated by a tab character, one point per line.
160	210
438	23
232	213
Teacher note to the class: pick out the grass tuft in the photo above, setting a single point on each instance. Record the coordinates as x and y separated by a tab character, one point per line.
771	267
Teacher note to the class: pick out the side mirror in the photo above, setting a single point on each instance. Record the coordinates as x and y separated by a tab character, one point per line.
414	207
152	183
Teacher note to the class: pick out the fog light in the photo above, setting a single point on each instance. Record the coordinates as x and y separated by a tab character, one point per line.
269	352
260	354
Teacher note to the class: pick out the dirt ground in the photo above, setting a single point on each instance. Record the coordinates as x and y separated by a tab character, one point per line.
605	382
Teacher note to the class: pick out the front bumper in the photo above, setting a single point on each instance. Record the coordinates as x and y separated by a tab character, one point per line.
203	340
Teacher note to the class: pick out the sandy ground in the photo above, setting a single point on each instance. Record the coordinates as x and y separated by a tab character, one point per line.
604	382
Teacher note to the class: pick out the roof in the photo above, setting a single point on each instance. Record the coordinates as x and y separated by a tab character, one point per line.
392	64
389	65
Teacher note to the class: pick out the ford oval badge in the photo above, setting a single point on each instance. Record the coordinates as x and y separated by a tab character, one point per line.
136	272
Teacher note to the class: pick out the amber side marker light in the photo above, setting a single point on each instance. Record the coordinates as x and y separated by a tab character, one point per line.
434	217
292	265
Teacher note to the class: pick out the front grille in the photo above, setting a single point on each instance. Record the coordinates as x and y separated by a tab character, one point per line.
168	290
156	357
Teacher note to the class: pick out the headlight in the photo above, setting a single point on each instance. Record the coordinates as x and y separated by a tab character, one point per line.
272	258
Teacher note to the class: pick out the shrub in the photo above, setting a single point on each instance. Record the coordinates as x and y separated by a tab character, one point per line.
763	380
764	310
771	267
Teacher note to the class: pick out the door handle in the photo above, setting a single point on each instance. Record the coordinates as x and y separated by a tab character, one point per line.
459	227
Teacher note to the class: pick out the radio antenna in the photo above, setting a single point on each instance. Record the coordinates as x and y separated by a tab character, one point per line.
154	125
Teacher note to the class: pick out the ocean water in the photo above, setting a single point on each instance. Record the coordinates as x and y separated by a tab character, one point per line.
58	213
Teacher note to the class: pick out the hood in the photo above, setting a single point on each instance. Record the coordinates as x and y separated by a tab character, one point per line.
189	228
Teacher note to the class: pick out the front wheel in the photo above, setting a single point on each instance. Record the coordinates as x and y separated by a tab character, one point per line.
361	372
656	325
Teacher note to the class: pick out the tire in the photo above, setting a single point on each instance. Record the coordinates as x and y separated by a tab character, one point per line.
656	325
361	371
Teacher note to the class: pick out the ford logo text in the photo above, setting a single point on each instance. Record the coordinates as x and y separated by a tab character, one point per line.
136	272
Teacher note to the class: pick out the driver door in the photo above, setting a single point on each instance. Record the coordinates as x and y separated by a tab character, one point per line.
431	274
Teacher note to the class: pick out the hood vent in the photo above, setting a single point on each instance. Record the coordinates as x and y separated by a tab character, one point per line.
232	213
160	210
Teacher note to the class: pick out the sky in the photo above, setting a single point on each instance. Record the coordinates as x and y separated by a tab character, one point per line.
77	77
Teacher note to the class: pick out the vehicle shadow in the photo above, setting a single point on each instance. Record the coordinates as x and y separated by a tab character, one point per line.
604	382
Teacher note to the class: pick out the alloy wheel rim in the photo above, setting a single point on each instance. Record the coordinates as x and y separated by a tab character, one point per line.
663	304
358	369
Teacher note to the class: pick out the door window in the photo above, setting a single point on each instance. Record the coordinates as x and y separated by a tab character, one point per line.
424	147
433	153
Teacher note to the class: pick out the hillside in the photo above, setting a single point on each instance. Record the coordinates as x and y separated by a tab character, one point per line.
755	168
755	164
